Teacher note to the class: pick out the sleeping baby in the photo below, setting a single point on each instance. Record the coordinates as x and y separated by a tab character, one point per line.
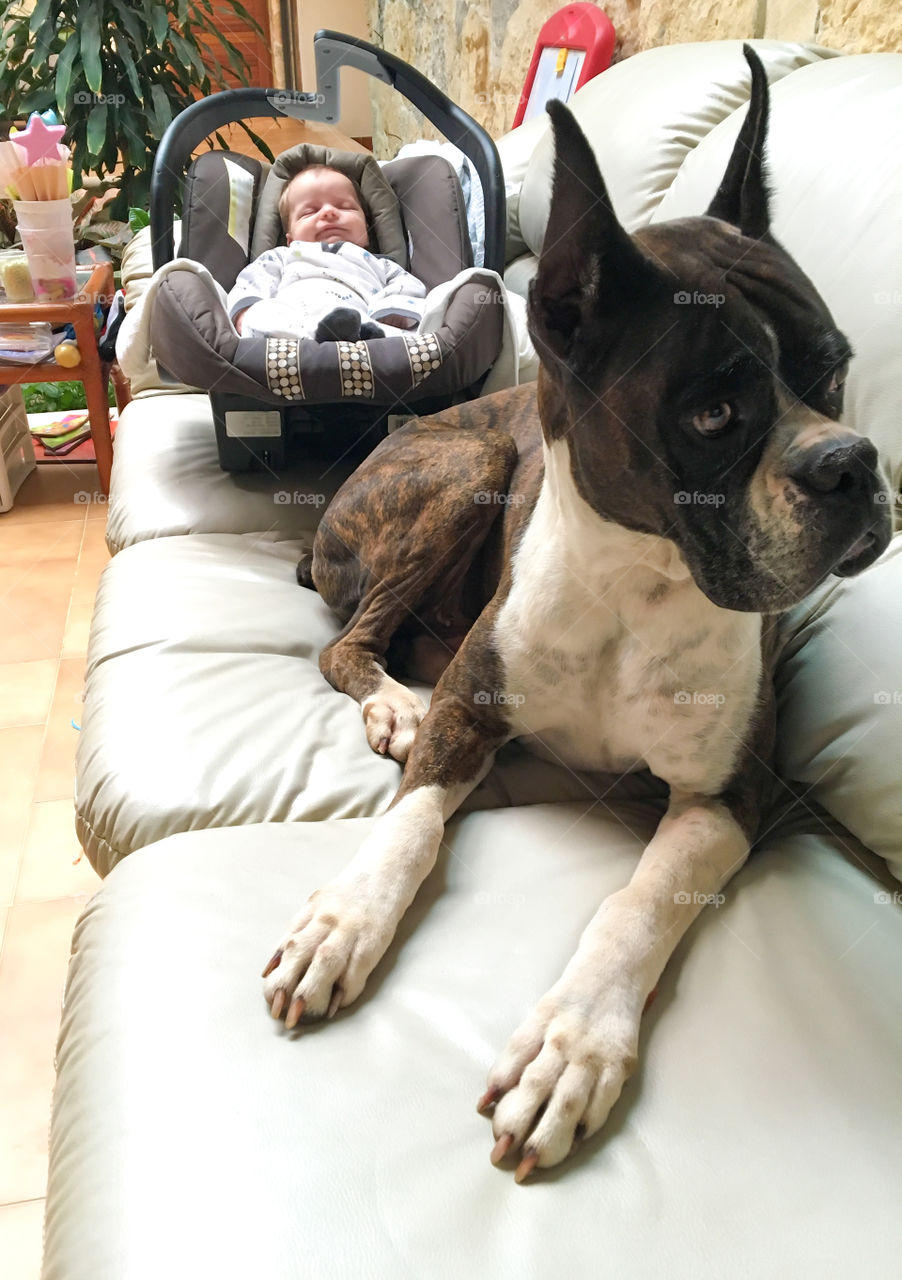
324	283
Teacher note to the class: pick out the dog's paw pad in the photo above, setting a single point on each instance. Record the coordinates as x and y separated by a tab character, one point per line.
391	718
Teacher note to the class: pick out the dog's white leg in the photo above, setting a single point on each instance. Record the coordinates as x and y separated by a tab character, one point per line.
573	1054
335	942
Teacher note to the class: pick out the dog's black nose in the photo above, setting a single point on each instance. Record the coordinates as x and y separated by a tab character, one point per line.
838	466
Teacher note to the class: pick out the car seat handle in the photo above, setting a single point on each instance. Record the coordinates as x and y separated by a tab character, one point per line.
332	51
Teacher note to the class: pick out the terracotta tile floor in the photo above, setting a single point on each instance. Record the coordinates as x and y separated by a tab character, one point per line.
51	555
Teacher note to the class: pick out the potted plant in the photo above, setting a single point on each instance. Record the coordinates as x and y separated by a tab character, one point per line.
116	72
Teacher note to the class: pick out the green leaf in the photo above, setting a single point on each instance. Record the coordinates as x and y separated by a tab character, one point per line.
258	141
160	23
131	71
188	53
132	28
162	107
40	13
89	20
138	218
37	100
248	18
96	136
64	65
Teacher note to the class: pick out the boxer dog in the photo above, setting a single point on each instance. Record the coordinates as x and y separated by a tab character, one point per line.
601	556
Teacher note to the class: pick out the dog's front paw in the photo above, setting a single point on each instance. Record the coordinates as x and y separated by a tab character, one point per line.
324	960
391	717
558	1078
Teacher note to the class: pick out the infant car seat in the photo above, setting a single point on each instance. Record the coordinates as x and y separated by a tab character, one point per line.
267	392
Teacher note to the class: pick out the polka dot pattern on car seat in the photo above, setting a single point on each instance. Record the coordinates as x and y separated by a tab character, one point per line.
283	368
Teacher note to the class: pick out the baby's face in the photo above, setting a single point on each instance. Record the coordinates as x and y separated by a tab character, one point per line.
322	208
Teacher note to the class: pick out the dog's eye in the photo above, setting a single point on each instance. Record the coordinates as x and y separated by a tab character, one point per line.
713	419
837	378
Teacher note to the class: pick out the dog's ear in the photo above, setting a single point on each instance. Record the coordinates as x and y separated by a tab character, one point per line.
743	197
587	258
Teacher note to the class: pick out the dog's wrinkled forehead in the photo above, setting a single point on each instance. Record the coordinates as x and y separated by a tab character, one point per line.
749	281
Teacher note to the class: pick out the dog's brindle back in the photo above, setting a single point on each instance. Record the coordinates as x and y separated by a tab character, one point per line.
600	557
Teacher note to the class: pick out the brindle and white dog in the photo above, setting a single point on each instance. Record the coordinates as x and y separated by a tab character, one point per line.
677	477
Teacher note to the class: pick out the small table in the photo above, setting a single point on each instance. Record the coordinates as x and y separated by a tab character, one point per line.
92	371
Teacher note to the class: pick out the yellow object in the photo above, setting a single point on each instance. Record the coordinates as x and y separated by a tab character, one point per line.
17	280
560	65
67	354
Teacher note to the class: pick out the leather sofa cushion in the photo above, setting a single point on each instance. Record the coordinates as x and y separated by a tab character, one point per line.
193	1137
167	480
840	702
644	115
204	705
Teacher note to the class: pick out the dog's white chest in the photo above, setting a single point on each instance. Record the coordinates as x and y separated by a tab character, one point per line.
614	660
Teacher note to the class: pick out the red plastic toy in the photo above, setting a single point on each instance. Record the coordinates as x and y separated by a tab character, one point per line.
575	29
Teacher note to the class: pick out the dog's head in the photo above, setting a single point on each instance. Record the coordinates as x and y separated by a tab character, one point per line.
697	377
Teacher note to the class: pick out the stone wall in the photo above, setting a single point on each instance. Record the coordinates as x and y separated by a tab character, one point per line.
478	52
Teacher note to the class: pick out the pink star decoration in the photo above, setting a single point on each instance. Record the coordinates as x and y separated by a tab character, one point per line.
39	139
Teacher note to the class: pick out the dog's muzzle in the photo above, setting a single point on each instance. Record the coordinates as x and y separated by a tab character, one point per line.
845	469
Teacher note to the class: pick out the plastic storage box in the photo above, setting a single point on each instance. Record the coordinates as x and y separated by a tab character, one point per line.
16	448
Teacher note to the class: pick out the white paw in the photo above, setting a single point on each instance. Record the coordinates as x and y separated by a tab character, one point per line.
391	717
330	950
568	1061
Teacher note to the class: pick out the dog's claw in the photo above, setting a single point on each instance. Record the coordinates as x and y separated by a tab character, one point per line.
295	1013
335	1002
488	1099
273	964
383	746
526	1165
501	1148
278	1004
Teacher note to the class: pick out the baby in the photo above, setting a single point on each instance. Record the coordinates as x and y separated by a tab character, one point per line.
324	283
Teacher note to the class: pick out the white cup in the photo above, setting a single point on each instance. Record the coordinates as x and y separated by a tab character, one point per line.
49	243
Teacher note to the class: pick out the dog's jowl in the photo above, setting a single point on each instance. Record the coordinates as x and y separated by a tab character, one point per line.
592	565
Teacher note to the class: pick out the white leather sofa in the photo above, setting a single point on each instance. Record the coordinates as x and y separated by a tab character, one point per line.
220	780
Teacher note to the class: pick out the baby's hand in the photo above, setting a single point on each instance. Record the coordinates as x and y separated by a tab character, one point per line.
238	320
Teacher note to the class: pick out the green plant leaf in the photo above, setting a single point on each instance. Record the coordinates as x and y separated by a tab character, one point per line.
64	65
188	53
39	14
37	100
248	18
160	24
138	218
89	21
257	140
162	107
96	135
131	71
133	29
